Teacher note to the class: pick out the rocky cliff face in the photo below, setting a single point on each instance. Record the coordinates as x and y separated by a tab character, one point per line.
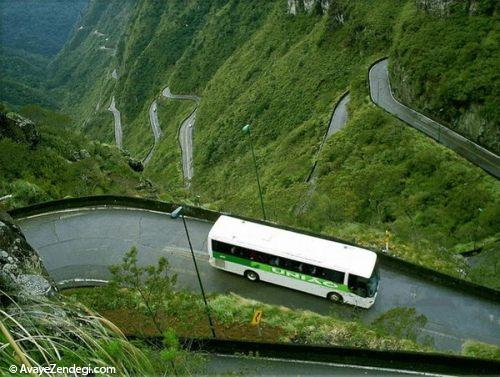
21	270
18	128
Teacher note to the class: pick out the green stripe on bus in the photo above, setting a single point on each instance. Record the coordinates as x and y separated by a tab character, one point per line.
281	271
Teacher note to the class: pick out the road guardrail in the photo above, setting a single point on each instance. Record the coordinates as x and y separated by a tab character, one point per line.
393	262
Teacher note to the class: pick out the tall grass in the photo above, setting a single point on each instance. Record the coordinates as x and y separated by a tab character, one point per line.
43	331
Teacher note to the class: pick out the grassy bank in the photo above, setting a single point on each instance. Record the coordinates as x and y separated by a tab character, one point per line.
232	314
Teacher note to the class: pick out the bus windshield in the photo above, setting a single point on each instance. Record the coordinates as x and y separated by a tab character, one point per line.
365	287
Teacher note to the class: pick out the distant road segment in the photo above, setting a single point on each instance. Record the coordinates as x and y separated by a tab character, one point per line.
186	134
337	122
81	244
118	123
155	128
381	94
339	117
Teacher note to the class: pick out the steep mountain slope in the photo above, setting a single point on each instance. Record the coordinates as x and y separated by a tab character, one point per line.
38	27
81	74
31	32
445	62
22	77
43	158
279	65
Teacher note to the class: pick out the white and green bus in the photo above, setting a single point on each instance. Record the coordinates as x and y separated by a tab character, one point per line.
339	272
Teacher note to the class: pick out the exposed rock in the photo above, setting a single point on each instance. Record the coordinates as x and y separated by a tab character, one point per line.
443	8
145	184
33	285
80	155
18	128
438	7
309	6
21	270
292	7
135	164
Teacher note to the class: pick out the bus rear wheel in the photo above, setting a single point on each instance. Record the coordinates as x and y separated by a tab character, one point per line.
335	297
251	275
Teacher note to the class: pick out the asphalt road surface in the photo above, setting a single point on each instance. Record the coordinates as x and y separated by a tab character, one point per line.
224	364
118	123
338	120
186	134
339	117
81	244
381	94
155	128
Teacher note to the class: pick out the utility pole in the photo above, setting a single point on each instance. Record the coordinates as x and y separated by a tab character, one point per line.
174	215
246	130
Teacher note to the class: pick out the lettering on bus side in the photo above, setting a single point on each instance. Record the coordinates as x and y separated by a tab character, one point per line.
281	271
309	279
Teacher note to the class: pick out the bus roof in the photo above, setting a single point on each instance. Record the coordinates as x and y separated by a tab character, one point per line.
296	246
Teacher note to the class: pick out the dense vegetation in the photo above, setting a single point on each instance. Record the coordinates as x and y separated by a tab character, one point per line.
31	33
63	163
256	63
38	26
446	64
22	76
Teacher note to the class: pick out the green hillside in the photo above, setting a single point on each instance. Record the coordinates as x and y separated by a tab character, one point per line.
38	26
31	33
255	62
52	161
81	73
22	77
446	64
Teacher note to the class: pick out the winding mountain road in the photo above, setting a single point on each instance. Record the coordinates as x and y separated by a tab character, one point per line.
81	244
186	134
155	128
339	117
337	121
381	94
118	123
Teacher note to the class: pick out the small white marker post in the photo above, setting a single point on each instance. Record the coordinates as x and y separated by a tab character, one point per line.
387	238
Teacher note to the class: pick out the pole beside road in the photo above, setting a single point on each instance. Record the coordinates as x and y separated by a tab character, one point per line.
246	129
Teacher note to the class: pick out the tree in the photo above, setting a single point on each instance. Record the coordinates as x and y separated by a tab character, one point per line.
154	284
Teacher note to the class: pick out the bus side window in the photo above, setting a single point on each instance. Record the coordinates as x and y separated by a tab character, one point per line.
243	253
317	272
253	255
275	261
335	276
357	285
220	247
307	269
262	258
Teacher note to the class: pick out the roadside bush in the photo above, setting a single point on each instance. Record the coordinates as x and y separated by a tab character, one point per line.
481	350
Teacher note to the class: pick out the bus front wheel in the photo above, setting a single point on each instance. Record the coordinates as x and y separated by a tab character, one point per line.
335	297
251	275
